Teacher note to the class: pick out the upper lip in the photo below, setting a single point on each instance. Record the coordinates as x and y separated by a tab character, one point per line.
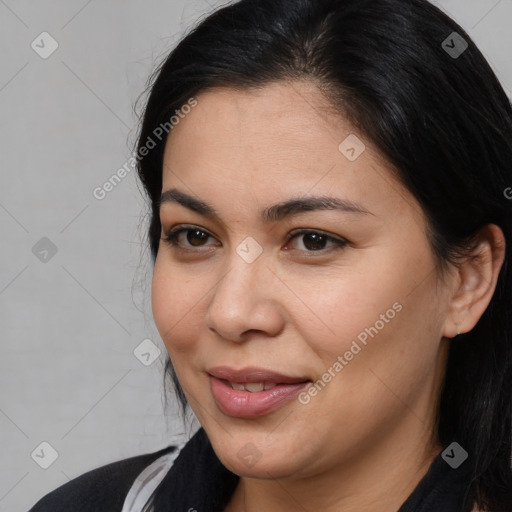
253	374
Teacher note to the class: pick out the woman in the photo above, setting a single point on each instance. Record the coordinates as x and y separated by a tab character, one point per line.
329	216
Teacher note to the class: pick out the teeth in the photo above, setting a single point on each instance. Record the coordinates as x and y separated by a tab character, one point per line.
252	387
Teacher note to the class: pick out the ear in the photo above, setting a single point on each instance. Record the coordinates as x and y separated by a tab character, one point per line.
475	282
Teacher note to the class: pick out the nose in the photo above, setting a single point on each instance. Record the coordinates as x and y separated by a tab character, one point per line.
245	300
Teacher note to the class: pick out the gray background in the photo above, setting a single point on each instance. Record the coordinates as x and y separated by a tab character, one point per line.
70	321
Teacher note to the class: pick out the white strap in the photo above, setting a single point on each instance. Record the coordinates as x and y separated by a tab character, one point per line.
147	482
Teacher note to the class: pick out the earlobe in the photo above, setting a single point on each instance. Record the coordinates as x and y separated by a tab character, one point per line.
477	277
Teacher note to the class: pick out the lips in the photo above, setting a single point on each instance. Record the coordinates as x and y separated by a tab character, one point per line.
252	374
251	392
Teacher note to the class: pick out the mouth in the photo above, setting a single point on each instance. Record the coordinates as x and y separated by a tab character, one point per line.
253	375
252	387
252	392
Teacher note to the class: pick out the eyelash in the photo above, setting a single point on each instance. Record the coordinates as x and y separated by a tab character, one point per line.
172	235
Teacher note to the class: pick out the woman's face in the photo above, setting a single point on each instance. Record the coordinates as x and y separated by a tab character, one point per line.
343	323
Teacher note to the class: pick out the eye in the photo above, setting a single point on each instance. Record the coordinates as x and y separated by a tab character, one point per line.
315	241
188	238
195	237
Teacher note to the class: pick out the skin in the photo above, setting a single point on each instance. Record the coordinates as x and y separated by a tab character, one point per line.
366	439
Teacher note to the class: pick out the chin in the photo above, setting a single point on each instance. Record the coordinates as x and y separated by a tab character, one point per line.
267	467
254	456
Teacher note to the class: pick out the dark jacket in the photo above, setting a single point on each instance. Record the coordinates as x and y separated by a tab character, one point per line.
198	482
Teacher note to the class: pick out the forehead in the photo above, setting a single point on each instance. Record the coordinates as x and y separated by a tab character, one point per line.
289	120
261	143
296	111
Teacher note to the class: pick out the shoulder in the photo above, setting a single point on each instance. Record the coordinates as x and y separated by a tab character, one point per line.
196	481
101	489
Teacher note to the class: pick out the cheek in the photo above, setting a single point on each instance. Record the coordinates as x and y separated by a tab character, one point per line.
174	304
342	307
384	316
388	342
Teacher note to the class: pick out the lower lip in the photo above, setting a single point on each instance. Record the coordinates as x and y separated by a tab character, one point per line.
244	404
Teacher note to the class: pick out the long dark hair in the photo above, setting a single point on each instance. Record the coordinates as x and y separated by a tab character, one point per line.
440	118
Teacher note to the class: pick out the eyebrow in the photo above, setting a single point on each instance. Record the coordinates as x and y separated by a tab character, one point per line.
274	213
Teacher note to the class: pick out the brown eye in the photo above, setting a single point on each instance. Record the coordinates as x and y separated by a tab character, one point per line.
194	237
315	241
188	238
